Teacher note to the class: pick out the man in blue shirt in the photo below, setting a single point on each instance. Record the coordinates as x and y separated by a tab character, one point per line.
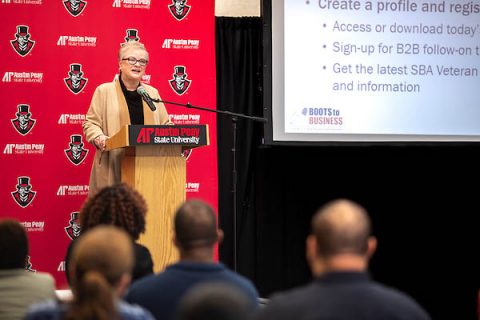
338	251
196	234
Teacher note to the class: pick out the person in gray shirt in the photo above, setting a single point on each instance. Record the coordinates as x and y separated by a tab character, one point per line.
19	288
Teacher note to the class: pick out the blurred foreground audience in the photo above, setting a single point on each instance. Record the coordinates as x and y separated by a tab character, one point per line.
122	206
338	251
214	301
196	235
19	288
100	273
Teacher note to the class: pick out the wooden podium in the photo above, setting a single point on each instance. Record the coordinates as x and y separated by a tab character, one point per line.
154	165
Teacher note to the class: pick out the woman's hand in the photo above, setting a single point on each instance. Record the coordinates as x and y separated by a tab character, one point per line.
100	142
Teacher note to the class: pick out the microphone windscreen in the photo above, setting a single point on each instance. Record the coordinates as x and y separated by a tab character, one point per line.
141	90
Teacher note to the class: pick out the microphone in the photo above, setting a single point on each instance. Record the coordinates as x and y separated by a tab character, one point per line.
141	91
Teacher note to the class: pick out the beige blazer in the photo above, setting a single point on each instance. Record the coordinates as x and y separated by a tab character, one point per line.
108	112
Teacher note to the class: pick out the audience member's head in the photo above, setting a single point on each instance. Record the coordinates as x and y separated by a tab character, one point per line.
214	301
13	245
341	237
119	205
101	266
196	227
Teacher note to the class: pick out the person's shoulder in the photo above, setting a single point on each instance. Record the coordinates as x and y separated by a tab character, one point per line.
140	248
294	295
42	275
234	275
241	281
133	312
105	86
399	299
142	286
150	89
147	86
42	278
49	309
286	304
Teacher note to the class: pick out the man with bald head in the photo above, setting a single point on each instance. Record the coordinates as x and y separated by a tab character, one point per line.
338	251
196	235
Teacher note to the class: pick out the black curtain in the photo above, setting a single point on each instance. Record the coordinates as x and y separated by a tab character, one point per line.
238	90
422	198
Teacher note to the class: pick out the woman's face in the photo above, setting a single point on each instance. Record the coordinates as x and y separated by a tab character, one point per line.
133	72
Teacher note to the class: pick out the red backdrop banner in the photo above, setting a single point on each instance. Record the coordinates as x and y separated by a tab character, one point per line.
54	54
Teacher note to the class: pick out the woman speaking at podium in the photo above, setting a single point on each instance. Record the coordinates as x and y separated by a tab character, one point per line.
116	104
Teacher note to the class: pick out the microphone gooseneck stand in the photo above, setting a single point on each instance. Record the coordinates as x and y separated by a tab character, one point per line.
234	117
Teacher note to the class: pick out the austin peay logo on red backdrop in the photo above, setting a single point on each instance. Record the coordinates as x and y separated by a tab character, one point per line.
76	153
180	83
179	9
24	194
75	81
186	153
132	35
73	228
28	265
22	43
131	4
75	7
23	122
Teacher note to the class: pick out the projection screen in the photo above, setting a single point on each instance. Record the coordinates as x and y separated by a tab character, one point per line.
356	71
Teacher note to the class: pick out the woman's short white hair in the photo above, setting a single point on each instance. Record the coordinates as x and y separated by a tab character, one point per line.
132	44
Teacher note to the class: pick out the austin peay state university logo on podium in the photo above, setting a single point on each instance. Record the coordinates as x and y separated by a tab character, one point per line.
23	123
179	9
180	83
22	43
24	195
75	7
73	229
75	81
76	153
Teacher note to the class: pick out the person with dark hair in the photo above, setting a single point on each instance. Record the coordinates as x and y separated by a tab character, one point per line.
19	288
102	262
196	234
115	105
338	251
214	301
122	206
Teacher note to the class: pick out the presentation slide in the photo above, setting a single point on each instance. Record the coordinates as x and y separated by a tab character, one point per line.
372	70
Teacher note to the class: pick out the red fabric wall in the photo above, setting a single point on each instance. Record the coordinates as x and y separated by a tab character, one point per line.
34	83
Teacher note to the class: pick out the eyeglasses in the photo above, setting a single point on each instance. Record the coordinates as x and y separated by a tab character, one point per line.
133	61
